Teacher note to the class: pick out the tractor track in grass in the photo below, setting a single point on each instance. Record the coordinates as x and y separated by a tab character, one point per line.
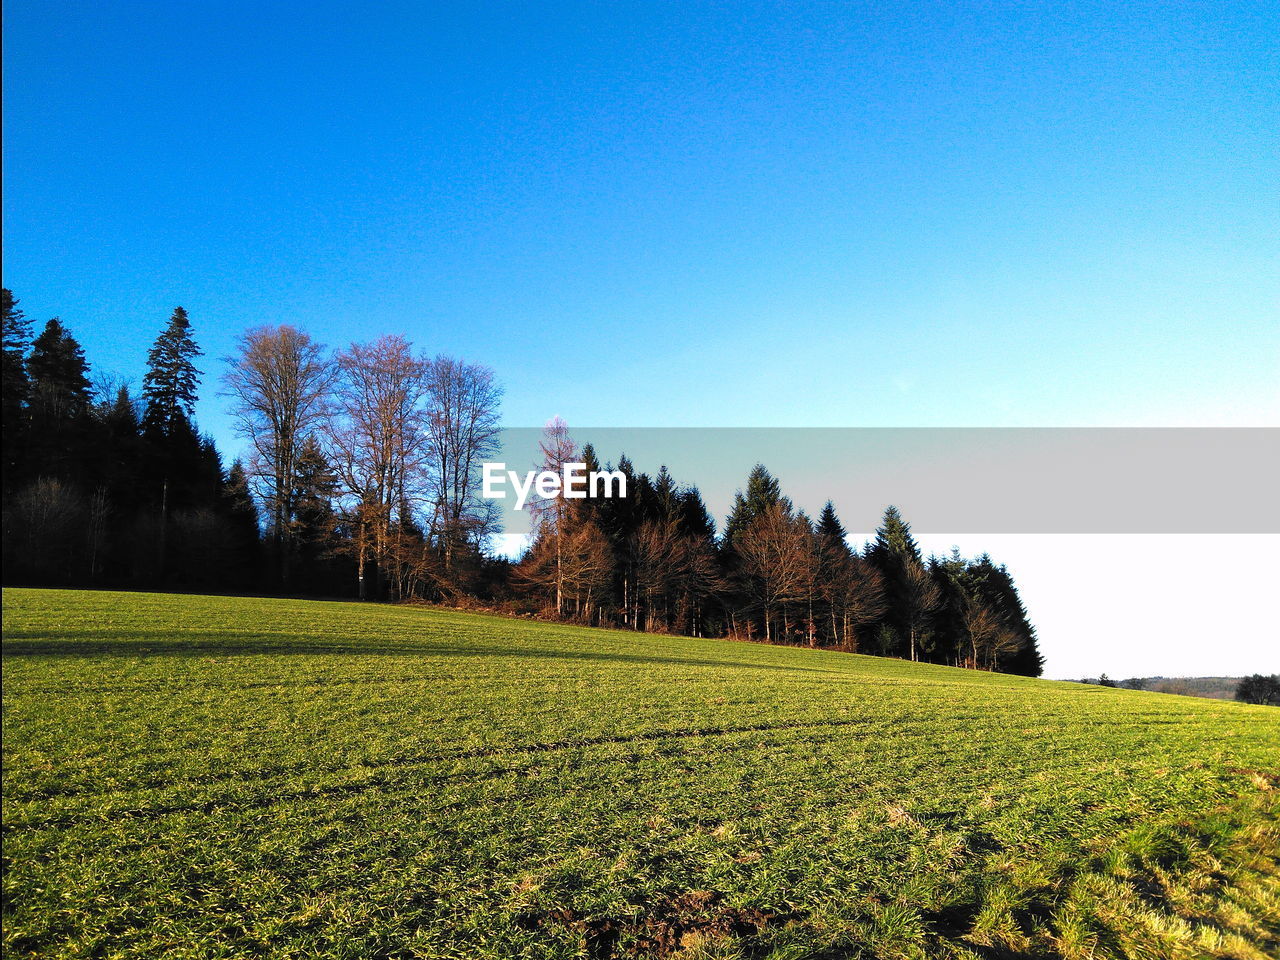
475	753
405	762
883	724
264	775
412	791
924	818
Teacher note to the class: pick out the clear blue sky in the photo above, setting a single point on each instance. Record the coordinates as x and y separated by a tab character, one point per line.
654	214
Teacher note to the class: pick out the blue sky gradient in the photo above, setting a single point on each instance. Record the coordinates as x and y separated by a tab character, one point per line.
661	214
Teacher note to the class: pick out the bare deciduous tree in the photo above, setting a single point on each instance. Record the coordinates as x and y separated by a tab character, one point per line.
921	597
462	430
278	381
655	554
854	591
778	560
376	438
49	516
586	564
550	515
697	579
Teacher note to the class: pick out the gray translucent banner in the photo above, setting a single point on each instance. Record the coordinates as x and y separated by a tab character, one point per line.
964	480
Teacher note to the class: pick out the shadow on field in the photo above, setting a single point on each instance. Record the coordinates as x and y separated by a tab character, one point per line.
88	644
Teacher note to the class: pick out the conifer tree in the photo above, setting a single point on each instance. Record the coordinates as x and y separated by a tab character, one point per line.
665	495
242	521
695	519
169	387
835	569
1022	653
14	384
894	539
178	461
60	397
910	591
762	492
121	460
315	522
829	526
59	375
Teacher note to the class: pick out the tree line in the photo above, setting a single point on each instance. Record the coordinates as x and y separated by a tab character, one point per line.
362	478
653	561
1257	688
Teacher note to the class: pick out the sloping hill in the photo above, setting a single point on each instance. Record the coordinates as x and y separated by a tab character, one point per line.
201	776
1218	688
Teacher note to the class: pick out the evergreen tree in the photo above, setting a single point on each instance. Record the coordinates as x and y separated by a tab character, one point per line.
242	524
909	590
169	387
59	375
894	539
829	528
589	507
60	397
698	580
17	334
122	415
695	520
1003	594
665	495
835	573
951	637
315	522
120	456
182	470
763	492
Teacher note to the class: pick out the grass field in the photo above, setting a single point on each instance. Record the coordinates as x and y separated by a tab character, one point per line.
214	777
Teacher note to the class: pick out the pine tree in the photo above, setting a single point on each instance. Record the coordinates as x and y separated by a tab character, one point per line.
666	496
242	522
169	387
1002	593
835	571
894	538
17	335
695	520
59	375
178	461
315	521
763	492
953	616
122	416
60	397
121	460
830	529
911	592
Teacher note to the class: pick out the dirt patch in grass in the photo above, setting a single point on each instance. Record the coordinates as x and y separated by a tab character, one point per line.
1262	779
664	928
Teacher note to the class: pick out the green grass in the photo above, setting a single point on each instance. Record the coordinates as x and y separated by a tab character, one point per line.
214	777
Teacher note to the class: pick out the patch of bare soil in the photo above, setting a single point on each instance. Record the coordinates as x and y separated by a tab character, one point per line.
664	929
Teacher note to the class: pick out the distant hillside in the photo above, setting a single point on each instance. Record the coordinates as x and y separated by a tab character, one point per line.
1215	688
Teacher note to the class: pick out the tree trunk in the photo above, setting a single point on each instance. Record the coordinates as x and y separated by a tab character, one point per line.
164	525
